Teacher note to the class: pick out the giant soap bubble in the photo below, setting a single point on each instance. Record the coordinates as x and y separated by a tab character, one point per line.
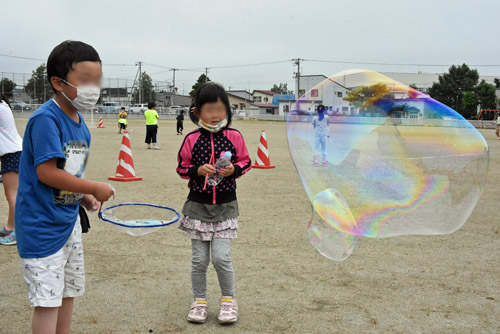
396	161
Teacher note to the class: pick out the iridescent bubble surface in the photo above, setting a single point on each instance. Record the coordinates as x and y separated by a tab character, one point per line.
397	162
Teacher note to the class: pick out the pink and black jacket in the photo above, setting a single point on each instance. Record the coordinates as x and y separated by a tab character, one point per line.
196	150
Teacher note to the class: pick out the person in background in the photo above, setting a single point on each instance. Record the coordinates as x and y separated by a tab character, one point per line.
122	122
151	116
180	123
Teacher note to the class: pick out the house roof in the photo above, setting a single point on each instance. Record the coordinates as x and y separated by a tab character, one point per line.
268	92
237	96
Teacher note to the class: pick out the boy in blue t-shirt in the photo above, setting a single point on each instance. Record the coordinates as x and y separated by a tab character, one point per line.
55	150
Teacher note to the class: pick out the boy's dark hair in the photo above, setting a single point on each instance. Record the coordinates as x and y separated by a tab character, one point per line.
321	108
182	111
62	58
208	93
122	108
151	105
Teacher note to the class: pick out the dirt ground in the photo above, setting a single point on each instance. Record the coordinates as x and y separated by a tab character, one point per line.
413	284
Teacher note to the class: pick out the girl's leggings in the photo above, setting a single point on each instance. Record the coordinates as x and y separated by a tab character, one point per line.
222	263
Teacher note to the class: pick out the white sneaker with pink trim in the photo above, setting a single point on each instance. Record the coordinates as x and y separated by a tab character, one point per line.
198	312
228	312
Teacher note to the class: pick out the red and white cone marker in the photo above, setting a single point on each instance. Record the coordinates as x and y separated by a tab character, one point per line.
262	161
125	169
101	124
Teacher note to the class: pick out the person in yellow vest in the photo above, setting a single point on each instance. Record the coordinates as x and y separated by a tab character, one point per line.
122	122
151	125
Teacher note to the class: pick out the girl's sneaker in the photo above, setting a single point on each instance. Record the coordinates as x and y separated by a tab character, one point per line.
228	310
4	232
9	240
198	312
324	161
315	161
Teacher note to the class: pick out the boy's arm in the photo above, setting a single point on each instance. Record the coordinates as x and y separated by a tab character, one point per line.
54	177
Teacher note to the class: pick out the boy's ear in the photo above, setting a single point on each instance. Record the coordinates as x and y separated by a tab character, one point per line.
57	83
195	112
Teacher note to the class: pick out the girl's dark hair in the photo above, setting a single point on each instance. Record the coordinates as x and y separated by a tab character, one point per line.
62	58
321	108
208	93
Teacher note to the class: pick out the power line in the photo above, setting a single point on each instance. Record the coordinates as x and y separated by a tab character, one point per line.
393	64
20	57
38	59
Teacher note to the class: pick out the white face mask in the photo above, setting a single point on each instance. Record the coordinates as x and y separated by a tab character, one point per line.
86	96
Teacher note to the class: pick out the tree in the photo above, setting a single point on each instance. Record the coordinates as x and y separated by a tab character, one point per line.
201	80
145	85
451	87
470	103
485	94
282	88
497	83
6	87
38	87
368	98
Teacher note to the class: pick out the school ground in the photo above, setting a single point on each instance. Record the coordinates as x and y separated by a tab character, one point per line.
413	284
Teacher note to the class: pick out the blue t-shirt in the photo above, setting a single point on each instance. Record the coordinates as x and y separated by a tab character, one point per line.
45	216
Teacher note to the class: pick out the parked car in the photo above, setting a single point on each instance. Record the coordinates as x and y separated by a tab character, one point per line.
139	108
109	107
20	105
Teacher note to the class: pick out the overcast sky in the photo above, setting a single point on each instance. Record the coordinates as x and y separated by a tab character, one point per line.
211	33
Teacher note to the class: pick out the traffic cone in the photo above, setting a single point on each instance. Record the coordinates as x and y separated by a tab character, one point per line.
125	169
101	124
262	160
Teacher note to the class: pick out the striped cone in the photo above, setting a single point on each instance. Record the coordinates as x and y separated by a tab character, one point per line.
101	124
125	169
262	161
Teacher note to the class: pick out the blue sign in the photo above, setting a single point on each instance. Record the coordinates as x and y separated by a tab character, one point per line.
280	97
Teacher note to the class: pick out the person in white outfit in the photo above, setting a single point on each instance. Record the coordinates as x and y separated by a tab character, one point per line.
321	134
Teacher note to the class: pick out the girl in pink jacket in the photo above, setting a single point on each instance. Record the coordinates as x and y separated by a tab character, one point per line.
210	213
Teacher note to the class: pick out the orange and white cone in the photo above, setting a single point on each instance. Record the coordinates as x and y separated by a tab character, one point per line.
125	169
262	161
101	124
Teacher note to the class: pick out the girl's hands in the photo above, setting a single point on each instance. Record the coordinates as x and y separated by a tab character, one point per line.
205	169
227	171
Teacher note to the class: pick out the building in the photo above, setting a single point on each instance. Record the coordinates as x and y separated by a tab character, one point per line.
167	99
263	96
330	94
266	108
241	93
239	101
120	95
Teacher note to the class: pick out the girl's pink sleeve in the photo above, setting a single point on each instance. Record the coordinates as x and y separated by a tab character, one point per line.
185	167
242	163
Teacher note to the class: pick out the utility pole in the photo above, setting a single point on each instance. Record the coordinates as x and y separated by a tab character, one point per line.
206	74
173	91
139	63
297	74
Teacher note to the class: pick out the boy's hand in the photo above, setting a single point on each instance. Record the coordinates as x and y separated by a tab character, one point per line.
103	191
90	203
206	169
227	171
